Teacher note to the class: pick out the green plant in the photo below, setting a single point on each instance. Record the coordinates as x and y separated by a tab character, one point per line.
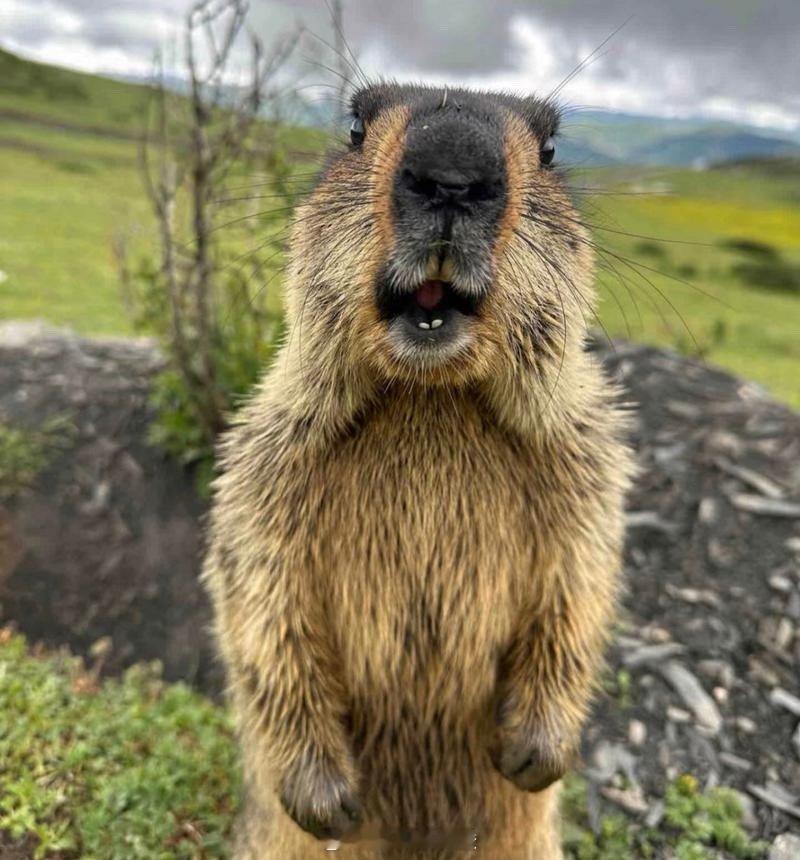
707	819
751	247
769	274
25	453
695	825
651	249
242	341
131	768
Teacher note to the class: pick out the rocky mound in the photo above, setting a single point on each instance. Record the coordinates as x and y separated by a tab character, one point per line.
705	671
107	542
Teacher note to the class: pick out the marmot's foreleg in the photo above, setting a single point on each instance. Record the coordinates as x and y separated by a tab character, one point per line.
547	679
290	707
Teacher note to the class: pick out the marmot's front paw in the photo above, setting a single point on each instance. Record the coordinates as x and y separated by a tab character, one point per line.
533	759
320	799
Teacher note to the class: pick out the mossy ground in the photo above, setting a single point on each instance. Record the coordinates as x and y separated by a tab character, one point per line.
137	768
131	768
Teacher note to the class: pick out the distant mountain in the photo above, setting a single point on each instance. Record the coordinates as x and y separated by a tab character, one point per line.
714	146
604	137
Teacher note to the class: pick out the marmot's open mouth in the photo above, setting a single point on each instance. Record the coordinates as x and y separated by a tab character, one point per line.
430	310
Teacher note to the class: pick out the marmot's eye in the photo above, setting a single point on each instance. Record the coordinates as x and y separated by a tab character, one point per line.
357	132
548	152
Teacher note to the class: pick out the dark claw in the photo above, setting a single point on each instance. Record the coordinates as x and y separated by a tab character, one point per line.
319	800
532	763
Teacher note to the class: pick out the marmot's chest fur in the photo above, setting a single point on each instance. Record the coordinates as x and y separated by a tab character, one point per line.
449	542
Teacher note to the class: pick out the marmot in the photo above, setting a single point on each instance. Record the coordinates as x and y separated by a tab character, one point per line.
415	540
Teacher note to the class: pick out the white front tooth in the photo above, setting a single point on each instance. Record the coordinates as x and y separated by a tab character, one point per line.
427	325
436	323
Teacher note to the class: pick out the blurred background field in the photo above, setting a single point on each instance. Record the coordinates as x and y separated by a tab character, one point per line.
704	259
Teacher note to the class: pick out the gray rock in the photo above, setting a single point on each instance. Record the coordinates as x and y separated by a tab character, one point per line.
785	847
649	654
783	699
694	696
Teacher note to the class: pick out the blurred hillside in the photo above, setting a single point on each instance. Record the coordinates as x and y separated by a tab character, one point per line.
50	95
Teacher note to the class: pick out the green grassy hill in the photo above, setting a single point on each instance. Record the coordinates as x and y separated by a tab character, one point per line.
50	95
72	187
69	157
724	282
71	183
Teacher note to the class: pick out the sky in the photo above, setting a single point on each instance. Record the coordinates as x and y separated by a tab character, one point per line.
724	59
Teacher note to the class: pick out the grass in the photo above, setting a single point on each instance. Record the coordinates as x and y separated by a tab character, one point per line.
138	768
72	185
57	222
70	98
689	293
130	768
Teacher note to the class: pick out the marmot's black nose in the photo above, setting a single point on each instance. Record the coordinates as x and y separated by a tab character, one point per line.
450	187
452	161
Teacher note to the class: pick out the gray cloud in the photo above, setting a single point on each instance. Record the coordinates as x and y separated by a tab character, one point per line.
734	52
734	57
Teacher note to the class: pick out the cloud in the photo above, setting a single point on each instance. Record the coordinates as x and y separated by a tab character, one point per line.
728	58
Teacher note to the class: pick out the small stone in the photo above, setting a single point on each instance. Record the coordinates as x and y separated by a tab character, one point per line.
784	634
780	583
655	634
637	733
678	715
693	595
651	654
725	442
793	545
719	671
720	694
763	506
736	762
655	815
102	648
783	699
796	739
608	760
749	819
775	795
746	725
631	799
708	510
785	847
762	673
694	696
721	555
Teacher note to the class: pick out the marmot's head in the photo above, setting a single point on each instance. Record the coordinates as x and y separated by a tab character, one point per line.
441	246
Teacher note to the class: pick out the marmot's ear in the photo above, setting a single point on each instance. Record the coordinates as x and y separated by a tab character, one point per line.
373	98
543	116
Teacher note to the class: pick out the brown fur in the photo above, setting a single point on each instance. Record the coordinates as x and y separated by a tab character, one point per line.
415	569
